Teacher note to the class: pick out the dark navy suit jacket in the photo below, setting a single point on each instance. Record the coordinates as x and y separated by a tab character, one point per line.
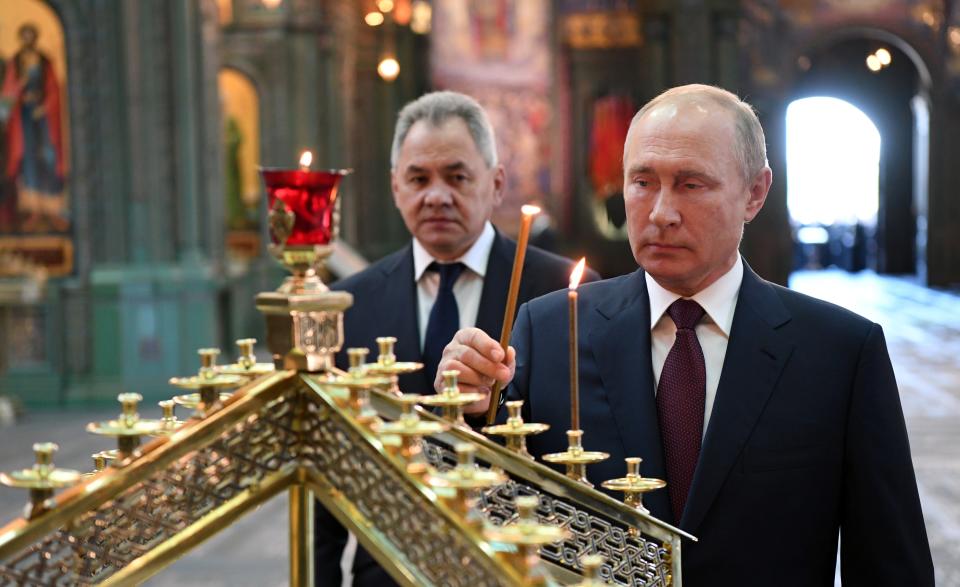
385	304
806	438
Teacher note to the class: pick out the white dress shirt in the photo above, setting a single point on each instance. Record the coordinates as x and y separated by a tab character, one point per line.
468	288
719	300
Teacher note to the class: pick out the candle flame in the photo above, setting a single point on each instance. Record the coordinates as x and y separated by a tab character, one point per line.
306	159
577	273
529	210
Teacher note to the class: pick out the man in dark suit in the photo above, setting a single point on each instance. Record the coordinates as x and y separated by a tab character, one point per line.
455	273
773	416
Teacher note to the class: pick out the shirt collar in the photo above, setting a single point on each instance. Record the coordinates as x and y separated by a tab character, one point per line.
475	258
719	299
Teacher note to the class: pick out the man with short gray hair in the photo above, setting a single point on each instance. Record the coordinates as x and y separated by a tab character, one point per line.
446	182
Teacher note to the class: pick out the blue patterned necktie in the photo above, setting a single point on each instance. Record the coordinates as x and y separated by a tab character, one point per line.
444	317
681	396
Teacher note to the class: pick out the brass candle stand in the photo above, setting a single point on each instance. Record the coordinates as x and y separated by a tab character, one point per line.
515	431
207	383
42	479
411	429
575	458
357	385
528	535
100	460
247	365
168	421
634	485
128	428
466	479
388	366
450	400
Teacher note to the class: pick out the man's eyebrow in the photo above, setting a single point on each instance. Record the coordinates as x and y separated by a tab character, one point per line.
694	174
456	166
639	169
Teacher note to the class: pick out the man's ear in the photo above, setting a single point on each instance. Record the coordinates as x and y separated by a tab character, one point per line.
759	188
499	184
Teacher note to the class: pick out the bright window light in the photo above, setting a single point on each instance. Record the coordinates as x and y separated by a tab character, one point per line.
833	163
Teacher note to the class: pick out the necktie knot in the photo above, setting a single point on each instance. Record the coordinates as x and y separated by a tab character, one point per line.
449	273
685	313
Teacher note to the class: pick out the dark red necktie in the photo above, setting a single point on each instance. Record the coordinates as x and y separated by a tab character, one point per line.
681	395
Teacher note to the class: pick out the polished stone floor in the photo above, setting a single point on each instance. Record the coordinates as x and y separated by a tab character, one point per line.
923	333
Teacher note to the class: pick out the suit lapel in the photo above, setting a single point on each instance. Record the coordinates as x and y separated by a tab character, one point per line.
398	313
496	282
623	322
756	355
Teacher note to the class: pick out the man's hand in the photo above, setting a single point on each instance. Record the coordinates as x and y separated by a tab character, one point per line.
481	362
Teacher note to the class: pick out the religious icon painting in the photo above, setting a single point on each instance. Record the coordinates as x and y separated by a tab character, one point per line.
35	223
241	146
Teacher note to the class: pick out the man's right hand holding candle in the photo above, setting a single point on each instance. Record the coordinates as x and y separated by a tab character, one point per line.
480	361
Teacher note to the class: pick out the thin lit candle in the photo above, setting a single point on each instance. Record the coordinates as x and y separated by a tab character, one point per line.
305	160
575	277
527	213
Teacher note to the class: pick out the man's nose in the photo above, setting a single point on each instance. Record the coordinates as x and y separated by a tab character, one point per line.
437	194
665	212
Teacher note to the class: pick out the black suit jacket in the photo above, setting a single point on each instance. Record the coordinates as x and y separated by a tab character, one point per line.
385	304
806	438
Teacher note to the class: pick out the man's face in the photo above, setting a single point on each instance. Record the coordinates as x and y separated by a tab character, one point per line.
685	195
443	188
28	36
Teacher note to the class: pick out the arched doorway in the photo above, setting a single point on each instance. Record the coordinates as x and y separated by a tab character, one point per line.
893	97
833	163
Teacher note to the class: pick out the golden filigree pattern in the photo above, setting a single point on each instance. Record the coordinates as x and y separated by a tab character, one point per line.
629	559
405	516
100	542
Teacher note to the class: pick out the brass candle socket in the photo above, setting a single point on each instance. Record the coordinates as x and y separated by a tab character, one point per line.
247	365
127	428
42	479
575	458
515	431
168	421
388	366
467	479
450	400
411	429
208	384
634	485
527	534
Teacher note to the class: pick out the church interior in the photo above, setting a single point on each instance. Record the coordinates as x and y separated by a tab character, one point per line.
134	220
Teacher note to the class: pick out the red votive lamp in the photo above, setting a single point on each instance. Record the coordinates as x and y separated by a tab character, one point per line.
310	195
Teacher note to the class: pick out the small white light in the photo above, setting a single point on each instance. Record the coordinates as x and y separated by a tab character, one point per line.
388	69
373	18
884	56
385	5
873	63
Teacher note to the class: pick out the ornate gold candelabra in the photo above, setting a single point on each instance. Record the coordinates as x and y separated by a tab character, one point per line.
485	516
